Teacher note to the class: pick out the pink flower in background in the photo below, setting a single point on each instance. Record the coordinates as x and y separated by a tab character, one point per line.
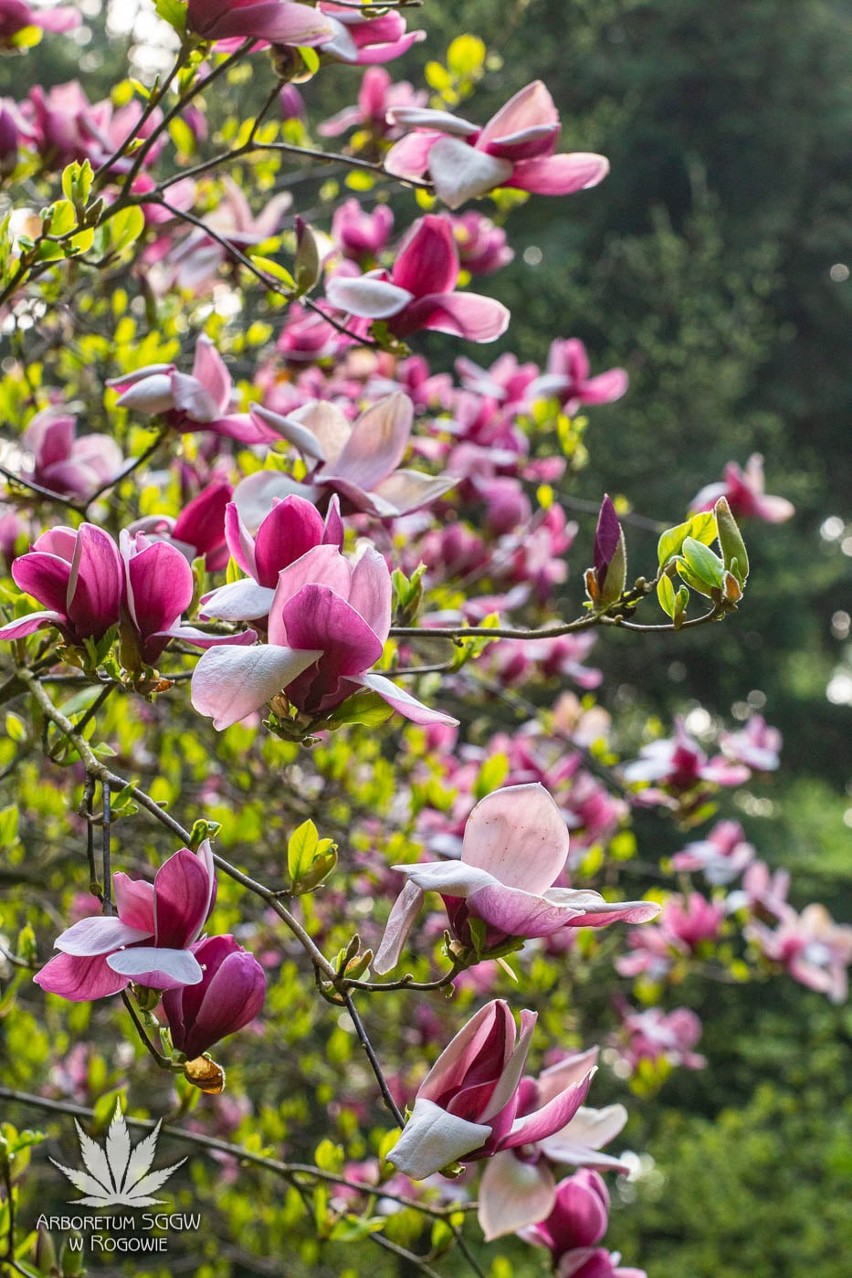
292	527
814	949
198	530
418	292
679	764
327	627
15	16
721	857
202	400
230	993
567	378
66	126
78	576
514	149
466	1106
482	246
194	263
359	461
378	93
515	847
655	1035
64	463
359	38
757	745
684	926
745	492
147	942
518	1187
360	234
277	21
764	892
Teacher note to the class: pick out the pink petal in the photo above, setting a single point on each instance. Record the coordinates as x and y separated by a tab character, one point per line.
319	619
290	529
29	625
96	582
325	566
518	835
553	1081
230	683
134	900
460	172
560	174
428	260
370	592
550	1118
295	432
245	429
409	157
79	979
519	913
376	445
239	539
149	394
479	319
405	909
403	702
407	490
510	1078
530	108
159	587
157	967
193	399
513	1194
210	371
427	118
45	577
605	388
280	23
183	896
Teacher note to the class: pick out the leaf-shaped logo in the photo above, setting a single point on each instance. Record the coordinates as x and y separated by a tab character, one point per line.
118	1175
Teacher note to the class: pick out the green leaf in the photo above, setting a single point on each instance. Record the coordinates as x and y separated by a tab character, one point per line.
701	527
703	564
365	707
666	595
173	12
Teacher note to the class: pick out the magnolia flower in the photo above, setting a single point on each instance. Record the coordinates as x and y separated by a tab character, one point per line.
814	949
359	233
199	529
195	262
757	745
377	95
654	1035
292	527
721	857
567	378
518	1187
745	493
65	464
78	576
328	622
679	763
466	1106
277	21
418	291
362	39
230	993
16	16
202	400
515	149
515	847
482	245
147	942
359	461
577	1221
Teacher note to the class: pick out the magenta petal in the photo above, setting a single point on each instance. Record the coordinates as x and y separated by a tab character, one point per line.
317	618
134	900
159	587
606	387
281	23
551	1118
96	583
29	625
607	537
403	702
376	445
479	319
324	565
245	429
530	108
291	528
428	260
157	967
624	912
209	369
230	683
200	638
201	522
239	539
45	577
100	934
518	913
560	174
183	896
80	979
234	996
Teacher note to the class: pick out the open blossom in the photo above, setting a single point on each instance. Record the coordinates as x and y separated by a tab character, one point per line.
679	764
576	1223
362	39
482	246
814	949
276	21
654	1035
515	847
418	292
359	461
189	402
757	745
684	925
78	576
518	1187
66	126
721	857
292	527
64	463
230	993
378	93
466	1107
149	940
514	149
745	493
199	529
359	233
328	623
567	378
16	16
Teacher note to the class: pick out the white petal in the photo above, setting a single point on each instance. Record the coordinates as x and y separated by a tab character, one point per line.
432	1139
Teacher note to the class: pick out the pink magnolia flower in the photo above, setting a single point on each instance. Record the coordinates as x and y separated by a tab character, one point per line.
466	1107
814	949
202	400
147	942
518	1187
360	234
198	530
515	846
327	627
679	764
721	857
514	149
78	576
377	95
567	378
66	126
359	461
359	38
685	924
764	892
758	745
745	491
16	15
158	589
230	993
418	292
482	245
578	1221
292	527
276	21
65	464
655	1035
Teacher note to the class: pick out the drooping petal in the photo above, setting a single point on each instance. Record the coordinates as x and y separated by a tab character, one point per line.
409	117
230	683
29	625
157	967
371	298
377	443
512	1194
560	174
432	1139
518	834
99	934
518	913
551	1117
80	979
606	387
403	702
468	315
460	172
405	909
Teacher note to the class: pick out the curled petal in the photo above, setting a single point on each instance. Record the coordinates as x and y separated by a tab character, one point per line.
159	968
460	172
400	922
432	1139
230	683
560	174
